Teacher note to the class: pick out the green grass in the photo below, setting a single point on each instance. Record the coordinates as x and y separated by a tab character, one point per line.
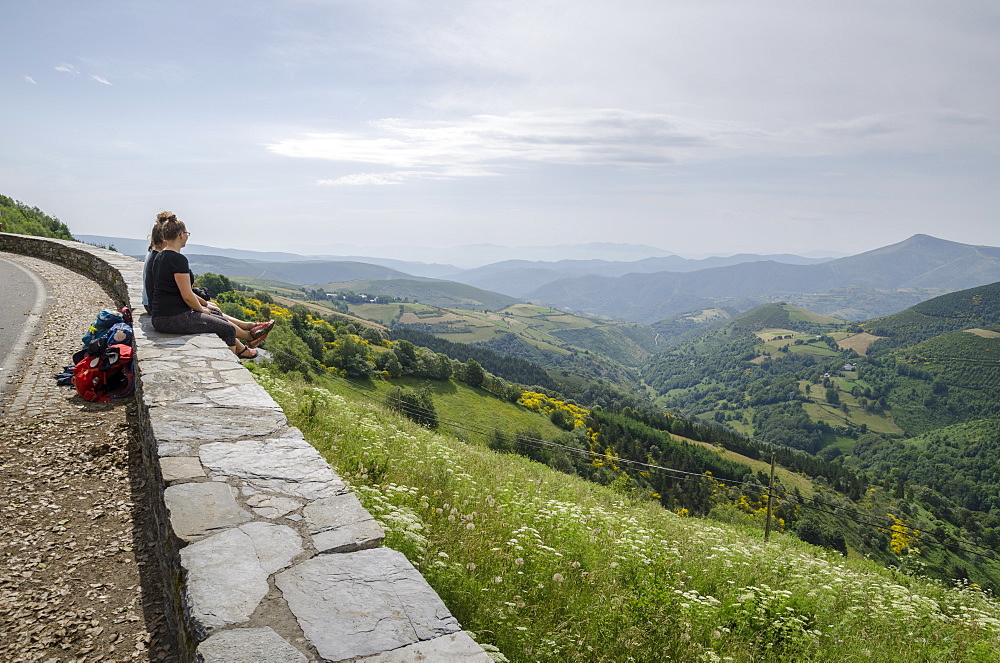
553	332
274	287
818	349
549	567
799	314
833	415
458	401
381	313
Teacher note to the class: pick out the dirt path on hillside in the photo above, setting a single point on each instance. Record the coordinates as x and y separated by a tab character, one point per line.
78	581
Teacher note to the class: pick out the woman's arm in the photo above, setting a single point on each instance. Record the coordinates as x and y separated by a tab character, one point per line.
209	306
183	282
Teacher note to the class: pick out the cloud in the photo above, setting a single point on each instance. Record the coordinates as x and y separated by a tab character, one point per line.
859	127
72	69
29	79
481	144
954	116
362	179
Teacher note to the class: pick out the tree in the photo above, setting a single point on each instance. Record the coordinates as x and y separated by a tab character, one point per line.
564	419
474	374
406	353
387	361
415	405
832	397
23	220
352	355
290	352
214	284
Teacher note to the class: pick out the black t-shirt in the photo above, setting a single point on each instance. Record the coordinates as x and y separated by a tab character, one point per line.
165	296
147	277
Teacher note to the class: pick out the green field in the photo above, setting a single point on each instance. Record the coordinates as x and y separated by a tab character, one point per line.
550	331
458	402
879	423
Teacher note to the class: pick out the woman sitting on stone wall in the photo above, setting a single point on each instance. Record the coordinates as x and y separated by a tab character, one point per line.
174	306
251	333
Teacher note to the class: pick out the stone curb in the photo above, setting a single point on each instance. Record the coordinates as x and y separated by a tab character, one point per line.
265	554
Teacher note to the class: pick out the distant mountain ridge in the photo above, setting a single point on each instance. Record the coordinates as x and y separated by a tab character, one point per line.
513	278
651	289
518	278
418	260
920	262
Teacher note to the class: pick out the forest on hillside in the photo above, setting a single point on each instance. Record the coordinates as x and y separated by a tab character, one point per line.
16	217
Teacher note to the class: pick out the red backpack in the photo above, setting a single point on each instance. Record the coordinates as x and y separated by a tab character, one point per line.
106	375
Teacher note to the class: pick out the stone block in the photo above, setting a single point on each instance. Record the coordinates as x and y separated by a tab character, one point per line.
248	645
171	449
180	468
227	573
272	506
289	466
248	395
363	603
340	524
183	423
198	510
455	648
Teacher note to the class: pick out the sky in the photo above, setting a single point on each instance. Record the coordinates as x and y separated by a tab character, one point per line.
698	127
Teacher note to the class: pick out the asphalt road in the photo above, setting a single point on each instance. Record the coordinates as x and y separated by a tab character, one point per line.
22	303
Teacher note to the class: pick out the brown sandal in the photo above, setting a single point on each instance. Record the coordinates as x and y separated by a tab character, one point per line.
242	354
260	330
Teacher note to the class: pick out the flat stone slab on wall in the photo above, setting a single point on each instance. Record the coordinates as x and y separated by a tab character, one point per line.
363	603
249	645
273	559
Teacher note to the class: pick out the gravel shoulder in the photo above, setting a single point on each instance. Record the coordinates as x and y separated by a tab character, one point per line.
78	581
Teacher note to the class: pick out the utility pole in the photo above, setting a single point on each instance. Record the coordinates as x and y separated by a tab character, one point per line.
770	496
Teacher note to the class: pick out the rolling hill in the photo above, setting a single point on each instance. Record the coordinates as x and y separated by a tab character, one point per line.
301	272
936	364
442	294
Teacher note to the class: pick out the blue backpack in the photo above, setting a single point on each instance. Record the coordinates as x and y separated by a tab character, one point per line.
120	333
105	320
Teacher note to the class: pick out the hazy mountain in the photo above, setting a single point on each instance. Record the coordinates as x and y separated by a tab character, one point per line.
301	272
652	288
476	255
420	260
512	277
517	278
137	248
920	263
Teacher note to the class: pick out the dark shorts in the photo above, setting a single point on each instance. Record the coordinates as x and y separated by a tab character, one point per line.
193	322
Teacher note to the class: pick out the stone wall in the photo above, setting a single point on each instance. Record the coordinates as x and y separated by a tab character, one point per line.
266	556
